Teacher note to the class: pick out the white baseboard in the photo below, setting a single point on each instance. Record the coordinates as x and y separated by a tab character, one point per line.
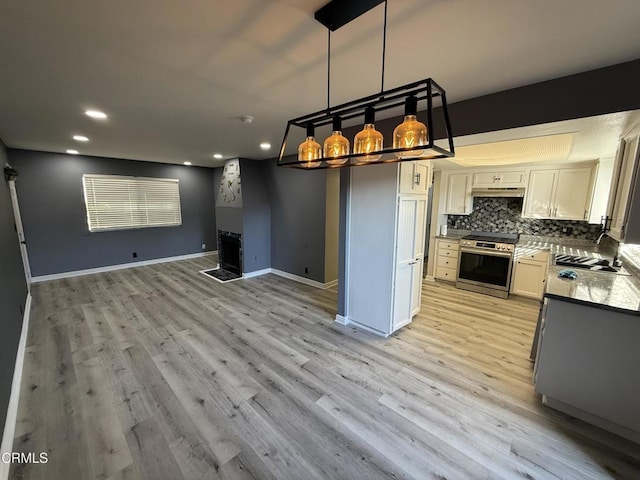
430	278
342	320
110	268
332	283
12	410
291	276
257	273
297	278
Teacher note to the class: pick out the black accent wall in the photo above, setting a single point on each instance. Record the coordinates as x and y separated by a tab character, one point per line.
13	292
53	212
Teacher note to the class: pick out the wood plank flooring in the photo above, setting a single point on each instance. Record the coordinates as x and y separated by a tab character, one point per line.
160	372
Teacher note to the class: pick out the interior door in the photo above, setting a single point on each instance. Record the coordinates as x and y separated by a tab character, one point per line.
418	253
20	231
409	257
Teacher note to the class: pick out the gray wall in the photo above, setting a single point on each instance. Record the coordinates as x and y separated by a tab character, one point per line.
256	215
13	292
53	212
298	203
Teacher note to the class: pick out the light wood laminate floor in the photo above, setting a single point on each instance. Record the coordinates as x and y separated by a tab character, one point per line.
160	372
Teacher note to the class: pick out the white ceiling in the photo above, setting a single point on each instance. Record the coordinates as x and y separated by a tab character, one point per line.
175	77
569	141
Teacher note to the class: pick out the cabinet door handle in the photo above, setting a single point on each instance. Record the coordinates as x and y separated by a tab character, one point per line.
417	179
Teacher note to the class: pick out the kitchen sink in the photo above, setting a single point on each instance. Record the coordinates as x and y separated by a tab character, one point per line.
586	263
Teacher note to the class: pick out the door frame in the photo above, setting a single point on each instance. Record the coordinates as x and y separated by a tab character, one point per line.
20	231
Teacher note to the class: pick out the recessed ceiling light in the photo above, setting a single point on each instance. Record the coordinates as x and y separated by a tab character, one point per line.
217	156
95	114
187	163
265	146
80	138
72	152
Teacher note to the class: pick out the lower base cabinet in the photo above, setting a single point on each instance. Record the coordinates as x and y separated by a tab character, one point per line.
529	273
587	365
446	267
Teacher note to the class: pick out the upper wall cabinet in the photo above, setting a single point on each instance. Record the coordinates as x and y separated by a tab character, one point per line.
458	199
562	194
624	210
500	179
415	177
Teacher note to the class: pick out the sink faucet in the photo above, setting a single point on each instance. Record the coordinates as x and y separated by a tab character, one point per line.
599	239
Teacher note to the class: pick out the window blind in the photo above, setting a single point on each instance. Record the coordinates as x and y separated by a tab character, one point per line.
117	202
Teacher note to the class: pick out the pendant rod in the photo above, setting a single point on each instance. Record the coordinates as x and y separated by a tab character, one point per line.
384	45
328	68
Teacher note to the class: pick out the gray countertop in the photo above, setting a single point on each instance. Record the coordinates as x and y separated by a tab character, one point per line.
598	289
607	290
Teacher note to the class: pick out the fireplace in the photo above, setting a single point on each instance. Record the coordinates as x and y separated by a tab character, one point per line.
230	251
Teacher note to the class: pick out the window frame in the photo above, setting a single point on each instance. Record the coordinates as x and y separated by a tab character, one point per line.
133	226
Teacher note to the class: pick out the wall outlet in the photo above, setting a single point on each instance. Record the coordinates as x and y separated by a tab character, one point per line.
135	254
204	246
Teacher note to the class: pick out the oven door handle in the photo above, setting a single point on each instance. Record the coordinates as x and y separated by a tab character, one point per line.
480	251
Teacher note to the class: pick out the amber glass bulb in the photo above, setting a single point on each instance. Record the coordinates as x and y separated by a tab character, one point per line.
410	133
368	140
336	145
309	150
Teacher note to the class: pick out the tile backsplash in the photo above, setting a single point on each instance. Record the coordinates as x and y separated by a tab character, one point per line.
503	214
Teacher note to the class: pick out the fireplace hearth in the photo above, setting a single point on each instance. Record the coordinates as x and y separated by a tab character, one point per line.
230	251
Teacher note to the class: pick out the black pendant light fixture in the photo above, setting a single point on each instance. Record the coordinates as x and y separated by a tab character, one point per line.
413	139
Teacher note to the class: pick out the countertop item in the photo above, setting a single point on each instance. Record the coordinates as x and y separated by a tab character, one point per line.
453	234
605	290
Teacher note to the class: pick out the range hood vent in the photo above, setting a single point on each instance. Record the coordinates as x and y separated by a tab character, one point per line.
498	192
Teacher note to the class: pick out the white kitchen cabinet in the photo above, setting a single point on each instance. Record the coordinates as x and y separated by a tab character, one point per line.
623	209
385	250
516	178
538	202
573	193
561	194
529	272
458	199
415	177
447	259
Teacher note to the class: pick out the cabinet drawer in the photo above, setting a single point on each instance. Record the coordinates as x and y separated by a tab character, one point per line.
444	273
445	261
449	245
443	252
534	255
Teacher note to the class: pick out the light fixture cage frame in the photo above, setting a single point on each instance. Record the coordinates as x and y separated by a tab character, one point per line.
426	91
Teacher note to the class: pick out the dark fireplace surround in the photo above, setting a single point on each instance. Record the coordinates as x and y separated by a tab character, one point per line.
230	251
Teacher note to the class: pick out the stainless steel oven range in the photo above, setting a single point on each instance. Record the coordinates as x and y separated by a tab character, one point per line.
485	262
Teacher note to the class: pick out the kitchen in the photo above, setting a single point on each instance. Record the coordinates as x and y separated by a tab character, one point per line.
548	213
